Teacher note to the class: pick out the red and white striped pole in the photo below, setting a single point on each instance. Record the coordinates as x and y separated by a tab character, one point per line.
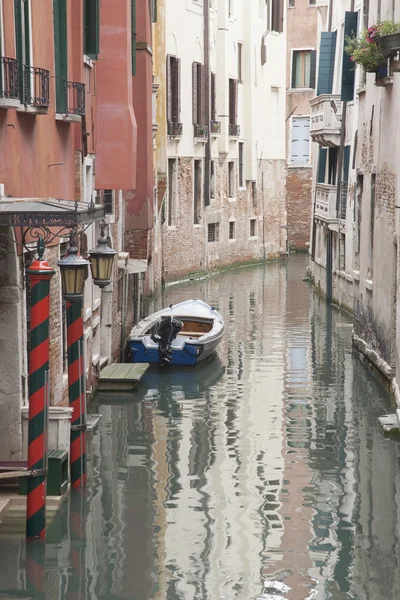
40	274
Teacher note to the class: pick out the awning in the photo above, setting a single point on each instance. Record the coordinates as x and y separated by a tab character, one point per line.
47	212
136	265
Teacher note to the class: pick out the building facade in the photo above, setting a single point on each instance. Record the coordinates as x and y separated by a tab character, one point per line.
302	25
67	132
225	157
334	118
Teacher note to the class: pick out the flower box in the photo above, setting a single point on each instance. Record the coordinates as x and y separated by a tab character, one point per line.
388	44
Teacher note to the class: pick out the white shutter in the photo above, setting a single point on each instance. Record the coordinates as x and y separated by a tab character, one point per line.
300	146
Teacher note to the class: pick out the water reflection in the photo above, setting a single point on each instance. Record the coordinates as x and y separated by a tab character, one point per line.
260	475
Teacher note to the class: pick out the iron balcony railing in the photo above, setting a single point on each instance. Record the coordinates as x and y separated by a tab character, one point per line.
215	127
234	130
9	77
174	129
343	199
36	87
200	131
74	98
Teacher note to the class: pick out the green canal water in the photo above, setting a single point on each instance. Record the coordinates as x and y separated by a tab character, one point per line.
261	475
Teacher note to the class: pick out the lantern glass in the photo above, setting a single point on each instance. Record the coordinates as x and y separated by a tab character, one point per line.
74	272
101	262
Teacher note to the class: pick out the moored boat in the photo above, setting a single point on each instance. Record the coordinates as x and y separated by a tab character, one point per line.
182	334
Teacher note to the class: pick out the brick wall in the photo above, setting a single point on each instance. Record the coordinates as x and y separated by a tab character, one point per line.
299	203
185	246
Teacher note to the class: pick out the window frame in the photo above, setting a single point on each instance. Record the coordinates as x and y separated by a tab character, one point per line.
253	222
215	229
232	223
300	163
91	32
313	70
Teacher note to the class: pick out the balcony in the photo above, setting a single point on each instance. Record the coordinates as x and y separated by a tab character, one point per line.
326	120
9	82
215	128
174	130
36	89
325	204
234	130
74	98
200	133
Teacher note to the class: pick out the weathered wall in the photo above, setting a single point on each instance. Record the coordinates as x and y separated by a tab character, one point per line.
299	202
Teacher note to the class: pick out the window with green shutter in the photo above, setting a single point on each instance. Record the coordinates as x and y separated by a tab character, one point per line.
321	165
60	52
133	32
348	71
91	24
22	27
154	10
326	65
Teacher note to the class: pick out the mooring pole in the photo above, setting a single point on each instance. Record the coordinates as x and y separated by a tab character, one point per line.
39	274
35	568
76	393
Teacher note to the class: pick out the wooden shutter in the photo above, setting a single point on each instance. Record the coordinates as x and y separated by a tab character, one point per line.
195	114
326	66
202	90
236	87
133	35
169	90
178	89
321	165
348	71
213	104
313	65
294	66
346	163
91	24
300	147
60	51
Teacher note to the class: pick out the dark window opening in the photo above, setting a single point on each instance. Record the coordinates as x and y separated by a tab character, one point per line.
198	94
91	28
231	230
240	62
171	191
254	192
212	179
108	201
233	101
213	232
241	173
277	15
231	180
253	227
173	89
197	192
303	68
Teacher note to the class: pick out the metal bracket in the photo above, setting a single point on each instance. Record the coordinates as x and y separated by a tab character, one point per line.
39	473
78	427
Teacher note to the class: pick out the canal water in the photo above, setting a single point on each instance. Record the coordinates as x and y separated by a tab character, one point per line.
261	475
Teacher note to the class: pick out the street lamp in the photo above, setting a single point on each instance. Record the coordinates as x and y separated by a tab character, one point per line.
101	260
74	272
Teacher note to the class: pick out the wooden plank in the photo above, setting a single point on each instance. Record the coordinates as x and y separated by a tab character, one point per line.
125	378
13	474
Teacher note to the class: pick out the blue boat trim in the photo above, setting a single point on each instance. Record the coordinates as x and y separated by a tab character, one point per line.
188	356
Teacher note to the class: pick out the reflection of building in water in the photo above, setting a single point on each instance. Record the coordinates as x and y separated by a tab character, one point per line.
224	449
290	560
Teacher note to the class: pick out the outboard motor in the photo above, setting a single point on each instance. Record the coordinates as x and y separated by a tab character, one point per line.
164	334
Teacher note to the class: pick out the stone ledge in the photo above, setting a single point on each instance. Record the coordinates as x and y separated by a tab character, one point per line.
373	356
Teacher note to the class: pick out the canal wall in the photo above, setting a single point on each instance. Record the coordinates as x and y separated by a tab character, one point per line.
342	284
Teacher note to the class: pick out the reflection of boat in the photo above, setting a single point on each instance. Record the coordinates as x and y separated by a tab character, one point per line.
183	334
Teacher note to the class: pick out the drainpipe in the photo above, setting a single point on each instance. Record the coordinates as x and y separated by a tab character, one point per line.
207	157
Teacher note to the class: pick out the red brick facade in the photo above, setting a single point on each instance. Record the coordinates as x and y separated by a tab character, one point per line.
299	202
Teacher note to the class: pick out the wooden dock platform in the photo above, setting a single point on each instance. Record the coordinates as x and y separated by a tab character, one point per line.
121	377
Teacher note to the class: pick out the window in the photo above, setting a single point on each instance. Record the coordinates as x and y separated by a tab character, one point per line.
108	201
312	2
172	184
232	230
277	15
154	11
231	180
198	94
241	175
300	143
133	35
291	4
253	227
254	193
197	192
213	111
91	28
22	24
303	69
240	62
233	101
60	51
213	232
173	89
372	222
212	179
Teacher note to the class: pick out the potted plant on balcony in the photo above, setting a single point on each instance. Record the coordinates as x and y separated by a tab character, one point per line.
388	39
364	50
